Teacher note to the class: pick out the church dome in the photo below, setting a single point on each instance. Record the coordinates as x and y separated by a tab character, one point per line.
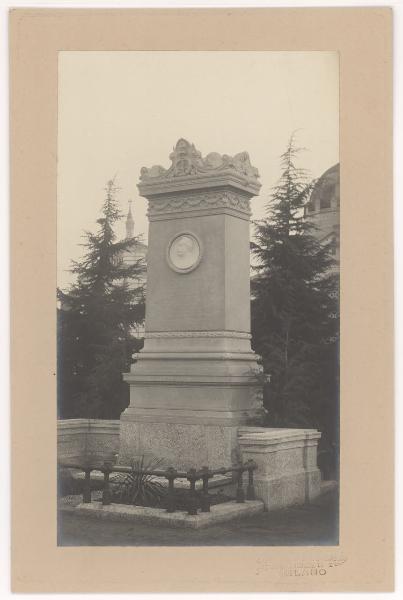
326	192
323	208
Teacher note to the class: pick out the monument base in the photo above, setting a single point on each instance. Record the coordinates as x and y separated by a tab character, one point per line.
186	406
286	474
180	445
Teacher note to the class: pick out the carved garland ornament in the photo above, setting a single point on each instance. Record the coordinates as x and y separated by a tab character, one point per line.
200	201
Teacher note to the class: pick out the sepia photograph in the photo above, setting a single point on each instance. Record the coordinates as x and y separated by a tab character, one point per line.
198	264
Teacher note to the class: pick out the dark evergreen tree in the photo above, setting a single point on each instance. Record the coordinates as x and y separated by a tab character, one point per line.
95	319
295	309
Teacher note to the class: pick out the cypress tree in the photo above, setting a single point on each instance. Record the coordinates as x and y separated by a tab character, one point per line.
95	321
295	323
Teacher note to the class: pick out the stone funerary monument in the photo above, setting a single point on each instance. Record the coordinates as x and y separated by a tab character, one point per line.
193	389
193	383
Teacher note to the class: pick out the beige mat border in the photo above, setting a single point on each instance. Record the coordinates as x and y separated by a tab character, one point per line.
364	559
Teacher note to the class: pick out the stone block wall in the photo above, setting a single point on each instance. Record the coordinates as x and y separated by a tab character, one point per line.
287	471
78	439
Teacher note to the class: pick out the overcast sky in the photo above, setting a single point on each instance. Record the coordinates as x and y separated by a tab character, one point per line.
119	111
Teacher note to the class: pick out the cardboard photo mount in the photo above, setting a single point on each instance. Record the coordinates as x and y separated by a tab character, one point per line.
363	561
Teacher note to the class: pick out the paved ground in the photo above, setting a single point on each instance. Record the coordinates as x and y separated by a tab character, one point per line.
313	525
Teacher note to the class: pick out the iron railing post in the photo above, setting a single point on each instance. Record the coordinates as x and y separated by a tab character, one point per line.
240	495
250	491
87	486
205	500
170	474
191	476
106	492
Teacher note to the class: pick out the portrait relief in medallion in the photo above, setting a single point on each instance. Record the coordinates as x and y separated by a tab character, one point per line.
184	253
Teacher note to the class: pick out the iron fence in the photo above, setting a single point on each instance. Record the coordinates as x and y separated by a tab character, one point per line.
195	501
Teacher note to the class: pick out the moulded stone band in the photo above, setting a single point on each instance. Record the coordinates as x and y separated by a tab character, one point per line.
198	334
218	381
212	356
91	425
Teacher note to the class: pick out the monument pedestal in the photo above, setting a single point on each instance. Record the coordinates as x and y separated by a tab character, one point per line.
180	445
186	405
194	381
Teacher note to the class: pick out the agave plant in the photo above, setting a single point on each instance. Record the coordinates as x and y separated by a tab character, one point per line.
138	487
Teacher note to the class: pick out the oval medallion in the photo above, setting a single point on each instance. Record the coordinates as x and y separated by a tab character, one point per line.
184	253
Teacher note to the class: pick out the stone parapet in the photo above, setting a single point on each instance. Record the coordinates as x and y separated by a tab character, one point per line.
80	439
287	471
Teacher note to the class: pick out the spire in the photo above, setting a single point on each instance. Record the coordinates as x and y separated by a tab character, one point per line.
129	223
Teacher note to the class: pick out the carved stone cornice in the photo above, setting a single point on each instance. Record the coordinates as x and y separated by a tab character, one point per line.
189	170
186	160
200	201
